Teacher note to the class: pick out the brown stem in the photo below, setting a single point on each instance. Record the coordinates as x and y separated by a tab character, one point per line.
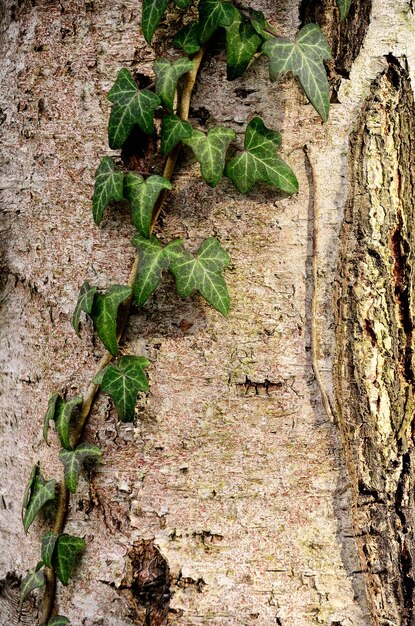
88	401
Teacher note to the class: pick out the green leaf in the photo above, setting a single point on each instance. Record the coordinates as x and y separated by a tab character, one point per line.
143	194
58	620
187	39
202	273
152	12
182	4
48	546
130	106
167	77
173	130
54	400
108	187
242	42
123	382
304	58
73	460
30	487
85	302
63	419
153	259
105	312
210	151
212	14
260	24
259	162
344	6
68	549
33	580
38	492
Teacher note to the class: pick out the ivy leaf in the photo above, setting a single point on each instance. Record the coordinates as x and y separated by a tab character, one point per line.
344	6
37	493
212	14
167	77
304	58
153	259
242	42
123	382
48	546
187	39
152	12
50	414
85	302
104	315
63	419
33	580
130	106
260	24
68	549
182	4
143	194
259	162
74	459
173	130
202	273
210	151
108	187
58	620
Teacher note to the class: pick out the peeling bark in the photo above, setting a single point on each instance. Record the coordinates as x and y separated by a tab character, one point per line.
375	360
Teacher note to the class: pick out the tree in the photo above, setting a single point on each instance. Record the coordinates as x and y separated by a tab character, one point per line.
269	476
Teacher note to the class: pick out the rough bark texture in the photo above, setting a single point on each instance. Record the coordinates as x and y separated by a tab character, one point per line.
229	502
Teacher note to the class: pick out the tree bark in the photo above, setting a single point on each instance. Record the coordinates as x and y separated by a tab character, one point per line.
269	477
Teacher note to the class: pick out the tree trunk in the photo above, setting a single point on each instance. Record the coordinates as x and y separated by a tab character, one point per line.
269	478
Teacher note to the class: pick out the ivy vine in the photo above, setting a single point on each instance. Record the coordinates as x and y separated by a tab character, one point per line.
247	34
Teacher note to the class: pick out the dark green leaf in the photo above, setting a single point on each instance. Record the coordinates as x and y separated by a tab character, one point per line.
259	161
304	58
152	12
123	382
260	24
202	273
37	493
58	620
152	261
85	302
344	6
187	39
143	194
33	580
30	487
182	4
210	151
50	414
130	106
48	546
68	549
167	77
63	419
104	315
74	459
173	130
242	42
212	14
108	187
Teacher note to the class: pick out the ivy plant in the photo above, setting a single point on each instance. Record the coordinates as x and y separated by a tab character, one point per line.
161	112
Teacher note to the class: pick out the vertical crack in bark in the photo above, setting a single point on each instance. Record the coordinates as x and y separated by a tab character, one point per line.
345	38
374	369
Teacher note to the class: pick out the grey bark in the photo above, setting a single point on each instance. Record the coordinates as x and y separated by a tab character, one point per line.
235	499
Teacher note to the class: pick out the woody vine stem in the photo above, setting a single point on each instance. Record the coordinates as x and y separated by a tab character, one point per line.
247	31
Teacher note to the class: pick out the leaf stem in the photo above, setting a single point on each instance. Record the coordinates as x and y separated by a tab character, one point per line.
124	313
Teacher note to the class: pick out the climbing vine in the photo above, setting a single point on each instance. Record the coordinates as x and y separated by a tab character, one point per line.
247	34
